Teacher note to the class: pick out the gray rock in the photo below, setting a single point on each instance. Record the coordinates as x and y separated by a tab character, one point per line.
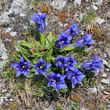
107	69
107	49
94	7
4	90
58	4
105	62
22	15
106	93
104	75
93	90
99	2
8	30
99	21
2	85
108	105
11	100
52	107
105	81
13	34
4	56
4	17
1	52
60	24
2	63
77	3
1	99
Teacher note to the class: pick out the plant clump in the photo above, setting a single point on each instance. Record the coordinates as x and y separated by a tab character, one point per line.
62	17
44	9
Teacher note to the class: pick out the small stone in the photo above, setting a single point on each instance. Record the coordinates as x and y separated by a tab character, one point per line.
77	3
99	2
104	75
94	7
93	90
60	24
106	93
8	95
1	52
22	15
4	56
58	4
13	34
107	70
105	81
11	100
82	109
99	21
108	105
4	90
8	30
105	55
105	62
52	107
1	100
65	24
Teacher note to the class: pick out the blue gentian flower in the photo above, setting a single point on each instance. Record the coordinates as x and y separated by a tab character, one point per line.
73	30
56	80
41	67
84	41
71	63
92	65
63	40
40	22
74	76
22	67
61	61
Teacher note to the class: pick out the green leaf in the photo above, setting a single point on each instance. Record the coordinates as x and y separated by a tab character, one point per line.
42	40
27	44
67	49
49	37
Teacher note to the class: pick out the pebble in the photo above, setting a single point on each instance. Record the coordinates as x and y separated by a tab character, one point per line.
4	90
94	7
77	3
4	56
106	93
4	17
104	75
99	21
1	99
108	105
105	62
58	4
105	81
22	15
13	34
99	2
1	52
11	100
93	90
8	30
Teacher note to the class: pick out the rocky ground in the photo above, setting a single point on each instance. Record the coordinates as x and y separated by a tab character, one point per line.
15	20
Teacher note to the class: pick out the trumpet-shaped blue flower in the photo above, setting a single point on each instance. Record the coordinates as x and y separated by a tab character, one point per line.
84	41
75	76
41	67
63	40
56	80
22	67
71	63
40	22
92	65
73	30
61	61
